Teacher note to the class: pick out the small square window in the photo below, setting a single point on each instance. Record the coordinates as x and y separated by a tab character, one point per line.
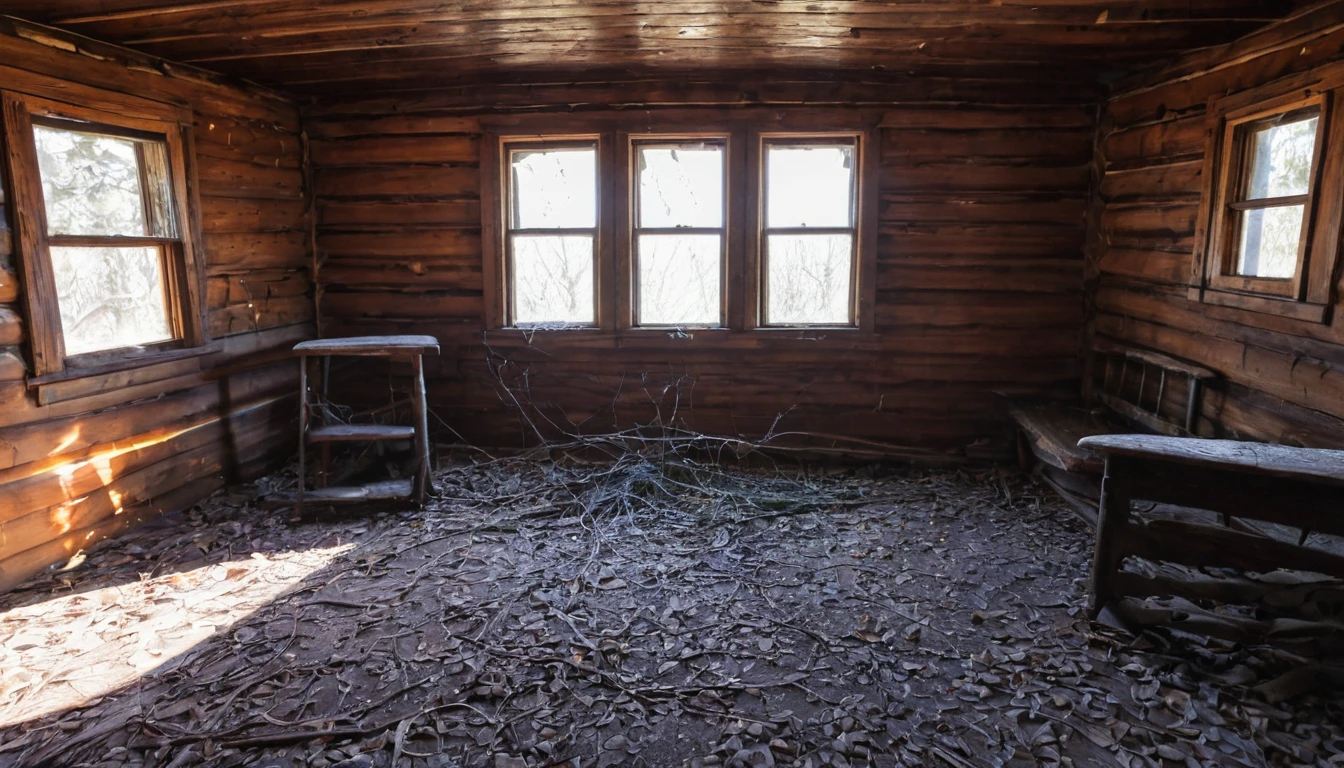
810	236
552	234
679	233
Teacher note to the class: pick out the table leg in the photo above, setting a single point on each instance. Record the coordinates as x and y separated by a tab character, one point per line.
326	465
421	410
303	433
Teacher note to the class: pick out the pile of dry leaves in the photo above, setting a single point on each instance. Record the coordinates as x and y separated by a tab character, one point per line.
648	609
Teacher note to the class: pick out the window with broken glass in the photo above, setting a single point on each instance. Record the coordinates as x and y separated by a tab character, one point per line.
551	237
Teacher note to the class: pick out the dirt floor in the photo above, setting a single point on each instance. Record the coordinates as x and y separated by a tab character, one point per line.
640	613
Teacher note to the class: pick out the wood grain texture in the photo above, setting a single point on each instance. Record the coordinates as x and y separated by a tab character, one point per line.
373	346
1316	465
117	449
978	275
1282	376
350	46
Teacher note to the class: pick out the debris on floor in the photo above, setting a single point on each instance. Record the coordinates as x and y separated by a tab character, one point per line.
648	610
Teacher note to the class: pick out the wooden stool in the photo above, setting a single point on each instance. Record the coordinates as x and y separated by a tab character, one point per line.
326	434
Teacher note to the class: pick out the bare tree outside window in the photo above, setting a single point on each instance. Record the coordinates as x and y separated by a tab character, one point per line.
551	233
810	233
679	233
100	196
110	298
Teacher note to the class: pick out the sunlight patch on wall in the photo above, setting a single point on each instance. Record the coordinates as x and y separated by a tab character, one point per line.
65	444
100	463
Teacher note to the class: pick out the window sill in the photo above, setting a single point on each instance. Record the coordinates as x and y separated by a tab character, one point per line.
701	338
1269	305
74	383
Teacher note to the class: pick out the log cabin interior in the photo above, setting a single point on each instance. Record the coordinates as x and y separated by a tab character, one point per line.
685	383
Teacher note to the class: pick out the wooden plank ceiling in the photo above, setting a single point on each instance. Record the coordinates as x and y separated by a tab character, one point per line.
365	46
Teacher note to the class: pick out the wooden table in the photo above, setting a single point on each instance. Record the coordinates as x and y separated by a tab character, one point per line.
1299	487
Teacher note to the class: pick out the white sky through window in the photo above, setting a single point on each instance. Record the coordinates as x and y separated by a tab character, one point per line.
555	188
810	186
809	277
680	187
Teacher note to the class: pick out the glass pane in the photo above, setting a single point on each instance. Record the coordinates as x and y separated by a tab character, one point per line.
91	183
809	280
810	186
552	280
555	188
1269	242
1281	159
110	298
681	187
679	279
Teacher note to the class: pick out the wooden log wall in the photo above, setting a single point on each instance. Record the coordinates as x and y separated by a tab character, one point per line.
1283	379
77	471
983	187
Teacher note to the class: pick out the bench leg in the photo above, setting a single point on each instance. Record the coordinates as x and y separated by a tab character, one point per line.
1113	516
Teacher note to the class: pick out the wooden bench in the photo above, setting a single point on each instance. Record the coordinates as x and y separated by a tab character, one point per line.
1298	487
1130	389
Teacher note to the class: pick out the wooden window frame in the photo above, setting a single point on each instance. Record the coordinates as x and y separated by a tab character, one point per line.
636	143
1308	295
743	133
507	149
762	169
1233	178
27	104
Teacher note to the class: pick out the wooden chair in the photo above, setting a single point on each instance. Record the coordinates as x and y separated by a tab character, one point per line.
1298	487
325	434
